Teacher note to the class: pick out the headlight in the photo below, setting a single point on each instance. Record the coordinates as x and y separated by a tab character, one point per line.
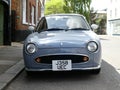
31	48
92	46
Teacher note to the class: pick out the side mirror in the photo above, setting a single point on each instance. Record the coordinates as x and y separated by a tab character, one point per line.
31	28
94	26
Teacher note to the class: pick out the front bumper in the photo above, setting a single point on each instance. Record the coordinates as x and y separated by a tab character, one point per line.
73	69
93	63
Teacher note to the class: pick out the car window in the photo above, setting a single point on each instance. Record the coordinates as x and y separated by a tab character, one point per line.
42	25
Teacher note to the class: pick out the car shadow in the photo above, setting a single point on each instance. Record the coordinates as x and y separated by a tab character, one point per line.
107	72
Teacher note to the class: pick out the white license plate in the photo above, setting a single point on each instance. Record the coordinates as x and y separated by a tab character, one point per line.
61	65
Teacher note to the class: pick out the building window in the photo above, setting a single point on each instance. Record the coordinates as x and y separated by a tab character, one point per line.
24	19
27	7
33	15
115	12
110	13
30	16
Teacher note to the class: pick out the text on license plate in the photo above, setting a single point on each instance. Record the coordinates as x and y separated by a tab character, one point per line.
61	65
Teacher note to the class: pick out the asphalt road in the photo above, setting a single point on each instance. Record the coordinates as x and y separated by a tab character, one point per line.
108	79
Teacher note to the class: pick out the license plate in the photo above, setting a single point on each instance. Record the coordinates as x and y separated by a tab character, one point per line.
61	65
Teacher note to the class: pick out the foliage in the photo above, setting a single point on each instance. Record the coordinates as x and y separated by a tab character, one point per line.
93	16
100	20
68	6
78	6
54	6
102	25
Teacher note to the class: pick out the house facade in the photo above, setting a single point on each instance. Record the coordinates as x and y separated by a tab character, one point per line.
113	18
25	13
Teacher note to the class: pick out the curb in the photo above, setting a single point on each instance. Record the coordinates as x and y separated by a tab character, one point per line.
10	74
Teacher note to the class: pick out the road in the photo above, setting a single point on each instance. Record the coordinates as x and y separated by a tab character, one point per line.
108	79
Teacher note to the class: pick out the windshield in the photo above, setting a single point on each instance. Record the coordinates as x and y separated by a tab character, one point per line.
63	22
66	22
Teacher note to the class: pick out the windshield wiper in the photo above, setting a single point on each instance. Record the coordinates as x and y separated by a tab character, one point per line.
79	29
51	29
54	29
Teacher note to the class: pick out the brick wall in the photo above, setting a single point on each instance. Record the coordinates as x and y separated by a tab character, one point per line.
17	6
21	29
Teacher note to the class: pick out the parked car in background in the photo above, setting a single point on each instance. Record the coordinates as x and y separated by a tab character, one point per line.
62	42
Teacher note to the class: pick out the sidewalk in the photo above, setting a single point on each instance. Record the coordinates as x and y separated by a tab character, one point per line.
111	50
11	63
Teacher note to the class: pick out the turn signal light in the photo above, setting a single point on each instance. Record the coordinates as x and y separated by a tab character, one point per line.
85	59
38	60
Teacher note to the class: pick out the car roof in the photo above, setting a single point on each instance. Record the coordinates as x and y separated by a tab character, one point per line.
69	14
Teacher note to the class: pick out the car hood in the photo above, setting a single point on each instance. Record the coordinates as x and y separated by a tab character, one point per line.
49	39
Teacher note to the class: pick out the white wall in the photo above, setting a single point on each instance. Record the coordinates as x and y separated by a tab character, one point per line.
113	17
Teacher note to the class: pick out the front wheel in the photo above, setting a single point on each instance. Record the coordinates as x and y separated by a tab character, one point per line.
29	73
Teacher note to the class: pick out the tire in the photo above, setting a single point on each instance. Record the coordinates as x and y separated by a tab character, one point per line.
96	71
29	73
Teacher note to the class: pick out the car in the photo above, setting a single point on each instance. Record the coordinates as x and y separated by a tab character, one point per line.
62	42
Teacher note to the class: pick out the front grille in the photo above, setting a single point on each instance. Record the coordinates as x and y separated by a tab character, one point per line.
73	58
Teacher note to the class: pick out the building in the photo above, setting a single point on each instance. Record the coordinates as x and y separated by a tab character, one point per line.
113	18
23	14
5	32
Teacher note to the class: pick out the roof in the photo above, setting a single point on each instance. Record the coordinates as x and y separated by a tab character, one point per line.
67	14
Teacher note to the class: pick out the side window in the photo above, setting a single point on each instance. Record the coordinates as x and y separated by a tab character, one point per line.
42	25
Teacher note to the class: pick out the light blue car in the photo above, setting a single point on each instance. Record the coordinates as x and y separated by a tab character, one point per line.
62	42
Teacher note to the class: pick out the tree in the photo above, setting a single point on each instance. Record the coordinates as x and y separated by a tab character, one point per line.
54	6
78	6
102	24
100	20
93	16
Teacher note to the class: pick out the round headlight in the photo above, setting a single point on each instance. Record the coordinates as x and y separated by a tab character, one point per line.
31	48
92	46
